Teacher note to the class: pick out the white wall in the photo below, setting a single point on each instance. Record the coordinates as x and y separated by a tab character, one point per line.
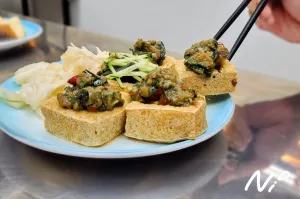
180	23
11	5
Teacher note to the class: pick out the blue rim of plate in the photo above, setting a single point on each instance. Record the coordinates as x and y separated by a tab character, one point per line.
38	30
114	154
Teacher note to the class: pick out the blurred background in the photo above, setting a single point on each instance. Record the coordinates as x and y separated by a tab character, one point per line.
180	23
177	23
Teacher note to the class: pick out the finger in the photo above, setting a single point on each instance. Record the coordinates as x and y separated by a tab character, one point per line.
243	138
272	142
243	127
265	114
292	6
233	136
231	164
225	176
238	132
266	14
246	169
261	24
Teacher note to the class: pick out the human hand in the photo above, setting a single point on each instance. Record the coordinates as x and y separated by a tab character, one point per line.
263	131
280	17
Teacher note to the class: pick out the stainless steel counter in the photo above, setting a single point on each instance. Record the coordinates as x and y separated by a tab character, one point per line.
199	172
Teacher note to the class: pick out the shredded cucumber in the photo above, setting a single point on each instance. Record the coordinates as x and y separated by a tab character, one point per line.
138	66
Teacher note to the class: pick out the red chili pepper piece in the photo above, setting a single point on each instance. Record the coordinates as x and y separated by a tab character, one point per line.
183	87
73	80
156	95
163	100
92	109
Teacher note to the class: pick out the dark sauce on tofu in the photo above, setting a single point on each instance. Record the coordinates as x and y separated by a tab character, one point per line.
206	56
163	88
89	92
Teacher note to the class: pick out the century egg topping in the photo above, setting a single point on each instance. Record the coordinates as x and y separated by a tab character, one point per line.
206	56
155	49
162	87
89	92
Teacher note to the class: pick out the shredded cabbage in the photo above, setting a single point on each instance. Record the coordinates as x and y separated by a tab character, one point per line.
40	81
79	59
13	99
23	75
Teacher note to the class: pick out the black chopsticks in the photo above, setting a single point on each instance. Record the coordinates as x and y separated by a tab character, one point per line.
246	29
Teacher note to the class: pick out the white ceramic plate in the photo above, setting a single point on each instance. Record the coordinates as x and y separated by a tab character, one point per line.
25	126
32	31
